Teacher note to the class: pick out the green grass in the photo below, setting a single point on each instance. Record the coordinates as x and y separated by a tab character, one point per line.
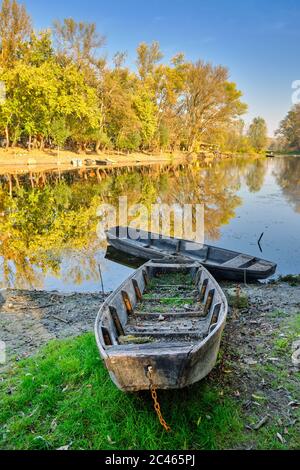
292	279
276	313
172	301
170	297
171	279
279	375
64	396
291	331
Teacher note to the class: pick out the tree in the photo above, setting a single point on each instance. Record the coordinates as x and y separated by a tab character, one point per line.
15	27
78	41
148	57
208	101
289	129
258	134
117	91
57	84
38	49
146	111
59	132
36	96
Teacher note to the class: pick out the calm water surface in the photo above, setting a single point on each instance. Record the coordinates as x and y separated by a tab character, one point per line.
48	235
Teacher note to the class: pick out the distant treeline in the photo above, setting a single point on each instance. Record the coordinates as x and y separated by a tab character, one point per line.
288	134
60	91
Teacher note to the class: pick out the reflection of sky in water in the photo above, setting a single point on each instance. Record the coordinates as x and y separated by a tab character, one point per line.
112	273
271	210
266	211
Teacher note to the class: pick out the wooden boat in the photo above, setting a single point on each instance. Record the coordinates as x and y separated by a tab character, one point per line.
222	263
168	315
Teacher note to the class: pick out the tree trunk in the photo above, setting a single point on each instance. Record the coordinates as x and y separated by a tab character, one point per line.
7	136
97	147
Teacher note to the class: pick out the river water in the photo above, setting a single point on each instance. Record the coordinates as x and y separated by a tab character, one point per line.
48	235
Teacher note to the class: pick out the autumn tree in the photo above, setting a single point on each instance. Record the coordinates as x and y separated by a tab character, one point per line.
289	130
258	134
15	27
59	132
57	81
78	41
147	58
208	102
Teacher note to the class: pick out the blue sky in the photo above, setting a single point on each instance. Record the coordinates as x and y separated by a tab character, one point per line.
259	41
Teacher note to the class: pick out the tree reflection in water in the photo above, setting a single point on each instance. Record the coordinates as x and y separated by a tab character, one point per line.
52	230
288	177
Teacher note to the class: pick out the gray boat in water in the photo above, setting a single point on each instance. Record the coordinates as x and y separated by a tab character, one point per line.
167	317
222	263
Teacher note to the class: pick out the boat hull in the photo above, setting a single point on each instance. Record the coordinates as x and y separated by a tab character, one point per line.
218	271
171	369
175	364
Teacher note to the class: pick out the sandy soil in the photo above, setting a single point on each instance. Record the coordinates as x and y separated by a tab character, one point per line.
19	160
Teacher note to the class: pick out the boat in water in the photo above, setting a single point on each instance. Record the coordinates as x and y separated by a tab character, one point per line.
222	263
167	317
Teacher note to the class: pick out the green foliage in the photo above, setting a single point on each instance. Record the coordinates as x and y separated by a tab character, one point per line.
258	134
146	112
164	135
47	101
292	279
289	130
130	141
60	89
59	131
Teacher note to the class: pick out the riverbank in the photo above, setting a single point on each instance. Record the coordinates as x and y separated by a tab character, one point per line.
64	397
30	319
20	161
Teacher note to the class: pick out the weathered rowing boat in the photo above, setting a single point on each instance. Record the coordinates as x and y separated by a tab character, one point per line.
222	263
167	315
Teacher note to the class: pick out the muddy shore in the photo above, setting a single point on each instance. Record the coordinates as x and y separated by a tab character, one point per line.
29	319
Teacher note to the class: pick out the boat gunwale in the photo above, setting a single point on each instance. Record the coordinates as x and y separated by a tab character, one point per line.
193	347
269	270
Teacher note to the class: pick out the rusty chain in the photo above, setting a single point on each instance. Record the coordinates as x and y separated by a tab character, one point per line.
153	391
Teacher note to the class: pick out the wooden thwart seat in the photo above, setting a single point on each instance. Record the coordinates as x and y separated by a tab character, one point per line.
239	261
174	314
165	335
